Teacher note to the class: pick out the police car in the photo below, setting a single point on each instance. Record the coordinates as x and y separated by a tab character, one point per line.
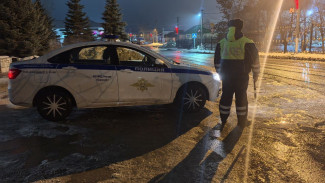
107	74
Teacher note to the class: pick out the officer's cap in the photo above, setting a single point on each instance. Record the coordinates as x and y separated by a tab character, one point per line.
236	23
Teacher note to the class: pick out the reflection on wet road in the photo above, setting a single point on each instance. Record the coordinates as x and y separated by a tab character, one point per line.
308	74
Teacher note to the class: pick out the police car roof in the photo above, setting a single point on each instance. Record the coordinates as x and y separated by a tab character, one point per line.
93	43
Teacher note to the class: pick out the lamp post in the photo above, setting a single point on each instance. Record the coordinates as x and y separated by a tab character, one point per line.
311	36
176	31
201	29
309	14
297	26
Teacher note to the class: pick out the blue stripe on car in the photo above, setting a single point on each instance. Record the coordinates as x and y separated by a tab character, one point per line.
108	67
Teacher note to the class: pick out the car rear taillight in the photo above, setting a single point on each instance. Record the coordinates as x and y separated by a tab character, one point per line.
13	73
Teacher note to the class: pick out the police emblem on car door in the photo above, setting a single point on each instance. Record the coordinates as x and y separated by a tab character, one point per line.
140	79
142	84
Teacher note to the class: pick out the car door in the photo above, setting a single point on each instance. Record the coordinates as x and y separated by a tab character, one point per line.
140	79
89	72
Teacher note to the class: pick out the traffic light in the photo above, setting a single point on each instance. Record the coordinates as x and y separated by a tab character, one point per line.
176	30
297	4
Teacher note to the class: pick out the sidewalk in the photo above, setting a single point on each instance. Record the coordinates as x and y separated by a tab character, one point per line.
293	56
298	56
198	51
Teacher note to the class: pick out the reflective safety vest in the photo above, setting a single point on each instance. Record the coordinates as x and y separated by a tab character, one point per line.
233	50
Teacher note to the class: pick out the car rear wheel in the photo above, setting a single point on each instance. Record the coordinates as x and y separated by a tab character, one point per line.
191	98
54	106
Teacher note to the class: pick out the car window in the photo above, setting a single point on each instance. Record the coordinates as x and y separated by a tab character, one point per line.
132	57
84	55
126	54
61	58
92	53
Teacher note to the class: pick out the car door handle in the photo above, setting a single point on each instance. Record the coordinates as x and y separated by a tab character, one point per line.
69	68
127	70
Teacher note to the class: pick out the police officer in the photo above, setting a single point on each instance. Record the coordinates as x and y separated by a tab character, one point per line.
235	57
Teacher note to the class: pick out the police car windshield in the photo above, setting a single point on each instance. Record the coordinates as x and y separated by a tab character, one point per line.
169	60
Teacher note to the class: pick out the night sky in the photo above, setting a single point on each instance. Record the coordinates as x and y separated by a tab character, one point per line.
145	14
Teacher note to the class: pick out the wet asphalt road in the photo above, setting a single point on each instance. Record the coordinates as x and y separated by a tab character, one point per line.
156	144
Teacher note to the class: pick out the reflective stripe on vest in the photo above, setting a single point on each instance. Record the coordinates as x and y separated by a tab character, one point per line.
233	50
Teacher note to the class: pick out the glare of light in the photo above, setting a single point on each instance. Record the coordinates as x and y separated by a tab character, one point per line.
310	12
216	76
283	121
199	15
273	24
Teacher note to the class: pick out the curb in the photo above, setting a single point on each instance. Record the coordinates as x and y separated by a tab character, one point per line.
295	58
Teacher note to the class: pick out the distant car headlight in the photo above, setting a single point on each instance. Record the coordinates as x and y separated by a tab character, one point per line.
216	76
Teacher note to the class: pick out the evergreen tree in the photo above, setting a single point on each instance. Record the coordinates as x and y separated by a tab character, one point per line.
22	28
45	29
112	17
76	24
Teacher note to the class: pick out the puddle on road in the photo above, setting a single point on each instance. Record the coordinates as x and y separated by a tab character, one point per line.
306	73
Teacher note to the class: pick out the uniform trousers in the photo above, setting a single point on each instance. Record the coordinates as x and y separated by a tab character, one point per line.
234	85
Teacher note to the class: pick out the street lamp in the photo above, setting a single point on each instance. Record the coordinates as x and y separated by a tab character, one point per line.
201	29
310	12
201	32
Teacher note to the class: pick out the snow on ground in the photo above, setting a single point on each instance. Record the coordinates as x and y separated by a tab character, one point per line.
200	51
298	56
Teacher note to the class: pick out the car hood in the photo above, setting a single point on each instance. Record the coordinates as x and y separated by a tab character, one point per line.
194	67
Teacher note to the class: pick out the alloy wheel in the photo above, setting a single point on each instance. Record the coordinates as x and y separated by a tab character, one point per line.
54	105
192	99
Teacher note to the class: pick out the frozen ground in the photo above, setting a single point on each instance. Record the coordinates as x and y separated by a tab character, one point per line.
155	144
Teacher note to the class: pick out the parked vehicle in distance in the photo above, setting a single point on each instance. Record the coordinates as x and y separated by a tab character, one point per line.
107	74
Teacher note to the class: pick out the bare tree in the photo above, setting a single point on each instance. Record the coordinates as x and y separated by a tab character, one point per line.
320	4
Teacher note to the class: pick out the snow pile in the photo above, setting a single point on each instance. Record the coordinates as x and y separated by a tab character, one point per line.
200	51
153	45
298	56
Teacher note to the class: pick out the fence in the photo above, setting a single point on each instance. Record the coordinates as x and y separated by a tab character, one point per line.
208	43
5	61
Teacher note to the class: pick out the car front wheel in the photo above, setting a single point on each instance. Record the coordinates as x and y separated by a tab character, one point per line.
54	106
191	98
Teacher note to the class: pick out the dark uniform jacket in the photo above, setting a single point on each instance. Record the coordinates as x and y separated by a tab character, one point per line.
236	56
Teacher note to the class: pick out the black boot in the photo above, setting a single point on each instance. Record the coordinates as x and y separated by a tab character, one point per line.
220	126
242	122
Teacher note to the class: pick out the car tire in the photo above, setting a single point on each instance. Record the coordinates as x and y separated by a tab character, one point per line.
191	98
54	105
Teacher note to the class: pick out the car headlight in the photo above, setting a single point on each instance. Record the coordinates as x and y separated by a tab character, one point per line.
216	76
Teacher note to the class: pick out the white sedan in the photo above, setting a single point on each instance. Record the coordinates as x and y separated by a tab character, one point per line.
107	74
